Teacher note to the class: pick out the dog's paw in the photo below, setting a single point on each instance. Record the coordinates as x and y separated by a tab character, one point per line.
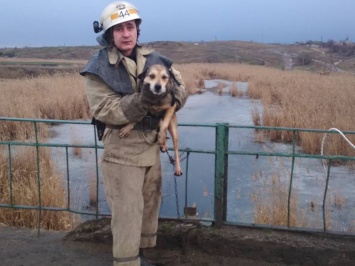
126	130
178	172
164	147
124	133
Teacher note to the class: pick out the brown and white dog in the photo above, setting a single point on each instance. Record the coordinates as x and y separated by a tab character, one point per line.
157	87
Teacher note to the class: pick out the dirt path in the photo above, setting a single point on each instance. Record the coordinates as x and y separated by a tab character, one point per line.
287	61
192	245
23	247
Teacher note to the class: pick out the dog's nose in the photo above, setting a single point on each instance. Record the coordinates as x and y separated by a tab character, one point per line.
157	87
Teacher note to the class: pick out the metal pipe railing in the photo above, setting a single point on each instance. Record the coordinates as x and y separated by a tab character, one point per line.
221	152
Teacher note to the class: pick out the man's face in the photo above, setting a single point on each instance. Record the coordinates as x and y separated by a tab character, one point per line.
125	37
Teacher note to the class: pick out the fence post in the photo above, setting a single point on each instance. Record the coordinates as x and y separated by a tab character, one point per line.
38	178
221	167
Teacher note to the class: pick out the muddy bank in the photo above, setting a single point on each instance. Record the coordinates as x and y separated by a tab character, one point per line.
194	244
190	245
23	247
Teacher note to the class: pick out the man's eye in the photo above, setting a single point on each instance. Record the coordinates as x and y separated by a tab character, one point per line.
152	76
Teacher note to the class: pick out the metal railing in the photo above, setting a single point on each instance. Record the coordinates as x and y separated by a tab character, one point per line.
222	151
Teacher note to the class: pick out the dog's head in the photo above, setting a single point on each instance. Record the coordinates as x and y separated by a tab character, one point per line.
157	79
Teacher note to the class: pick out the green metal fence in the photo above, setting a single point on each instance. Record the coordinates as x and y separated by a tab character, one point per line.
222	152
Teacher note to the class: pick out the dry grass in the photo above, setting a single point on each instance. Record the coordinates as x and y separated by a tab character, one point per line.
194	74
77	151
339	201
47	97
271	201
220	87
296	99
233	90
24	191
290	99
306	100
92	189
256	117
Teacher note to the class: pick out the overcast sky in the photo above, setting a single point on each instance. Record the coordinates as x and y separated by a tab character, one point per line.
69	22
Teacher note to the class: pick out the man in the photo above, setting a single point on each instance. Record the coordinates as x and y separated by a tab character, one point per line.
130	166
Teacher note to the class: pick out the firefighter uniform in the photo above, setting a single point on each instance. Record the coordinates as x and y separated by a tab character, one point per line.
130	166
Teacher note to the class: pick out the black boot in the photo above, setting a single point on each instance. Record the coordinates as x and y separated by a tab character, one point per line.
143	259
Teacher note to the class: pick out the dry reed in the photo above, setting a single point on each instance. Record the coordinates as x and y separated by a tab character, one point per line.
296	99
47	97
307	100
234	90
271	200
290	99
93	189
339	201
256	117
77	151
23	189
220	87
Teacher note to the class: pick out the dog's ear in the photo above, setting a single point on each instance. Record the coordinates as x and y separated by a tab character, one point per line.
171	84
141	79
172	77
142	75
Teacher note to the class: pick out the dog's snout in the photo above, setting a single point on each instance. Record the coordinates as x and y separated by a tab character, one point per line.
157	87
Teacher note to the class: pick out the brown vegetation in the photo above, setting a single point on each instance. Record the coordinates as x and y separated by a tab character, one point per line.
271	201
307	100
23	186
46	97
234	90
296	99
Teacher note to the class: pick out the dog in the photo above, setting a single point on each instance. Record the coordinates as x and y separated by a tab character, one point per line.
157	85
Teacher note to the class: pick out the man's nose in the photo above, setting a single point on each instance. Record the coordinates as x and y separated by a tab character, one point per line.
125	32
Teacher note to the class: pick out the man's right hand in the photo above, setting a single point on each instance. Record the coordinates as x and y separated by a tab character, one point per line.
134	107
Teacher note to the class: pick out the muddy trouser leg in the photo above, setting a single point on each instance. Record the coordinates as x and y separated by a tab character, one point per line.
123	189
152	200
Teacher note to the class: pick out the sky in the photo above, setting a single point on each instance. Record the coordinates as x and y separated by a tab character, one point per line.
38	23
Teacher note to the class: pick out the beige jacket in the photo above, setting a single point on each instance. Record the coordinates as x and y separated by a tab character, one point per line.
140	148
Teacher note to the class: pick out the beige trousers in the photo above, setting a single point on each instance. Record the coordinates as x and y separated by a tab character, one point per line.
134	197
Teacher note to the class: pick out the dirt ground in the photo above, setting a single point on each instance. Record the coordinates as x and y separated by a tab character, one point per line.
189	244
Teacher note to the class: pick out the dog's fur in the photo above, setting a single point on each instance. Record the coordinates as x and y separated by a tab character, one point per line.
157	86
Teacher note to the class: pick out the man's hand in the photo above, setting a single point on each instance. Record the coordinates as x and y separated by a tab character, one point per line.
133	107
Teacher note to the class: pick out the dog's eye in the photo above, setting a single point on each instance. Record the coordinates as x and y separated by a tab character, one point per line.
164	77
152	76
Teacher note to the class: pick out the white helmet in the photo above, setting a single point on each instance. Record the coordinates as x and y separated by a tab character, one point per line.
116	13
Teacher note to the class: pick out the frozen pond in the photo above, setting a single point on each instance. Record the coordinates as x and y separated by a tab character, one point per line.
251	181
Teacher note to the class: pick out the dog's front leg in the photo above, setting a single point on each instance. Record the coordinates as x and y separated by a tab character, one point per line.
163	127
173	130
162	138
